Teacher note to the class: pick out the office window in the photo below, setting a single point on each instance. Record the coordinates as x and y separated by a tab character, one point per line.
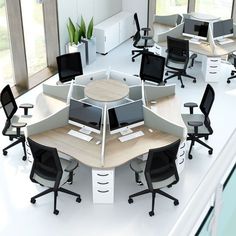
221	8
167	7
6	71
33	25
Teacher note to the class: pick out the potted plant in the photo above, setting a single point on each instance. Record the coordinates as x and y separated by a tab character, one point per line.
75	44
89	40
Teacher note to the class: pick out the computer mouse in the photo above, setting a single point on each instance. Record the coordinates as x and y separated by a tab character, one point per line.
98	142
150	130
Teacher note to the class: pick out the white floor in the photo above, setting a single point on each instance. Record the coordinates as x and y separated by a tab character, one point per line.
19	217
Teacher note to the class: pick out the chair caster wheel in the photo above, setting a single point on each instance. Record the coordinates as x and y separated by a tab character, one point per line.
228	81
24	158
166	73
232	73
4	153
32	200
10	139
182	86
56	212
169	186
165	81
132	53
194	81
130	200
133	60
206	138
210	152
176	202
190	156
78	199
151	213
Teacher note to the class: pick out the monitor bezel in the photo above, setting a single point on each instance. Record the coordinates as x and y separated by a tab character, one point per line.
127	127
193	35
81	125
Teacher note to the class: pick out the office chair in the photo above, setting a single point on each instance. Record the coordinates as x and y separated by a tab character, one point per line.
51	171
141	42
152	67
69	65
159	171
178	59
199	125
232	60
14	123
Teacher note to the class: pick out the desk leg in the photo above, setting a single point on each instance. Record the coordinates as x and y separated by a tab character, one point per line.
103	185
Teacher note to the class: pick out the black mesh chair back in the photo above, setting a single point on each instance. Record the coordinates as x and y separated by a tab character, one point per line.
178	49
152	67
46	163
160	164
136	22
207	100
8	102
69	66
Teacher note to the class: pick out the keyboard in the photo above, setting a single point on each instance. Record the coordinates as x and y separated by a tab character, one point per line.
225	41
79	135
131	136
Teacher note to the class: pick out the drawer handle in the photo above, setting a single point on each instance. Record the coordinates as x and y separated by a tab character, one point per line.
158	48
214	60
102	175
103	183
100	191
212	72
182	146
181	161
182	154
213	66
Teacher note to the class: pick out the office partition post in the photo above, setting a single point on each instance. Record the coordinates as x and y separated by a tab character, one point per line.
104	134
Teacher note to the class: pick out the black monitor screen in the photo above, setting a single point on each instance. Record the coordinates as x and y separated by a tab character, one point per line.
85	114
69	66
125	115
195	28
222	28
152	67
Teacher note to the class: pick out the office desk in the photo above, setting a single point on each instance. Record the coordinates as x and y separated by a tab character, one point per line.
167	126
211	52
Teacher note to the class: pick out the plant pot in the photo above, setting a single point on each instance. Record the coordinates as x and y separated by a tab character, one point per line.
90	45
77	48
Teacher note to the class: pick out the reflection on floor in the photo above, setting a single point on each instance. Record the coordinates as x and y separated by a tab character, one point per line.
20	217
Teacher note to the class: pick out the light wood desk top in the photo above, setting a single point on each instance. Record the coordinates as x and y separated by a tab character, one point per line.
116	152
106	90
204	17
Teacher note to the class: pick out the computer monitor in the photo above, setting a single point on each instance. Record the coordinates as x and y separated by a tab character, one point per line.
85	116
152	67
125	117
69	65
195	29
222	29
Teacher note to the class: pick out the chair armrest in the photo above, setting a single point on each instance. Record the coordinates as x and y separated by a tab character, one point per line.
191	105
146	37
195	124
26	107
146	30
72	166
135	166
18	126
193	56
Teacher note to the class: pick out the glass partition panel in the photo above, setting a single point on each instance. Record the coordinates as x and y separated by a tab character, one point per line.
220	8
6	69
33	24
168	7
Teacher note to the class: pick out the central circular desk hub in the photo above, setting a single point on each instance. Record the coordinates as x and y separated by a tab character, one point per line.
106	90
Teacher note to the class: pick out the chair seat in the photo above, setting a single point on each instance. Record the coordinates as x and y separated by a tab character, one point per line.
175	65
65	176
17	119
195	117
141	43
138	166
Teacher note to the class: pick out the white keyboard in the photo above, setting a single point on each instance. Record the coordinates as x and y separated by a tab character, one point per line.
79	135
225	41
131	136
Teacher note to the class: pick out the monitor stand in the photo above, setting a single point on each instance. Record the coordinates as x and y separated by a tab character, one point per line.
195	41
223	41
85	130
126	131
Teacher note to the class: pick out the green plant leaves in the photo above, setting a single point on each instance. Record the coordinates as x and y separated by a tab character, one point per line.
71	31
82	27
90	29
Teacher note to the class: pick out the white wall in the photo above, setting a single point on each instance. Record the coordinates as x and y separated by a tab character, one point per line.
99	9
